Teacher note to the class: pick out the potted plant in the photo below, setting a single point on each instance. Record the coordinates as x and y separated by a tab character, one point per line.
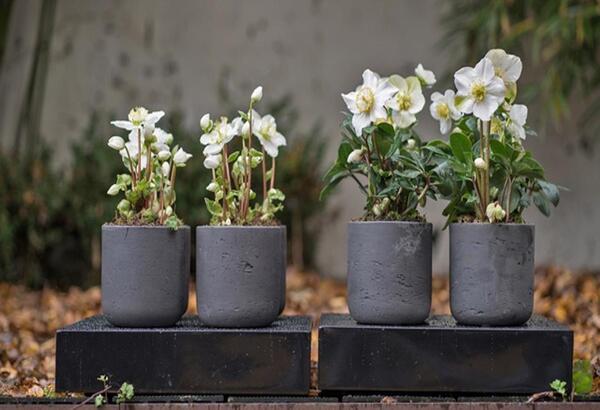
146	249
389	248
241	255
490	180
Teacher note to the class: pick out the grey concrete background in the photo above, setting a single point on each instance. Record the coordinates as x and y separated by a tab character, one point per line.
111	55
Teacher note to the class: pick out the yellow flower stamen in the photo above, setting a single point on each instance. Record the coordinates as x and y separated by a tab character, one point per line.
442	110
404	101
478	91
365	99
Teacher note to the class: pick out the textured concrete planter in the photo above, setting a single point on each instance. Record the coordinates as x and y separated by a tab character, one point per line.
145	274
491	273
389	272
240	274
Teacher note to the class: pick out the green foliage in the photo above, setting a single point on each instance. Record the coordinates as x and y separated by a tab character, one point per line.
126	392
516	179
582	377
399	170
560	37
560	387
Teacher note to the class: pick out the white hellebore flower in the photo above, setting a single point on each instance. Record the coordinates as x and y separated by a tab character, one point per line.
426	77
205	122
138	118
257	94
518	117
215	140
181	157
506	66
480	163
481	89
116	143
265	130
410	144
212	161
442	108
367	102
356	156
212	187
407	102
494	212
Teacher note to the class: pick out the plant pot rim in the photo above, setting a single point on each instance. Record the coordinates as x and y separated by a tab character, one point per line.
157	227
488	224
388	222
241	227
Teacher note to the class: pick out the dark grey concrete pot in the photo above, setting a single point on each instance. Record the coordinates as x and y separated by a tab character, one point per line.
240	274
145	274
389	272
491	273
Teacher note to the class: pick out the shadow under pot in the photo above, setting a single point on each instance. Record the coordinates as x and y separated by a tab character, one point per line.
389	272
491	273
240	275
145	274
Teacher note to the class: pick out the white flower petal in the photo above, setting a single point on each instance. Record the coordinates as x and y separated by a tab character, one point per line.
370	78
445	126
463	79
518	114
360	121
126	125
153	117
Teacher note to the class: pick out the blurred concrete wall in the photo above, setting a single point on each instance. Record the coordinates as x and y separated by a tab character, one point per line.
111	55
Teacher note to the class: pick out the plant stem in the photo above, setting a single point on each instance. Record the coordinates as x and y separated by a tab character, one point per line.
376	146
225	181
139	164
360	185
508	199
484	149
93	396
264	174
133	178
272	173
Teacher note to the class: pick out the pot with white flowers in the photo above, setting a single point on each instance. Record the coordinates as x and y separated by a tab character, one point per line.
241	255
389	248
146	248
491	179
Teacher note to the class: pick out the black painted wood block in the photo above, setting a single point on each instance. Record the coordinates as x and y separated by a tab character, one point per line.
441	356
186	358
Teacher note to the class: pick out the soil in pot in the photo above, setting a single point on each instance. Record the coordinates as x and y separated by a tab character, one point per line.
240	274
389	272
145	274
491	273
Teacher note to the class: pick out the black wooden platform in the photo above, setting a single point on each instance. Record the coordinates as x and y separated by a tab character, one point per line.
187	358
441	356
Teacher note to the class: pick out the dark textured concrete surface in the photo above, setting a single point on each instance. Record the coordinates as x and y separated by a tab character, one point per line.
188	358
442	356
145	274
389	272
240	274
491	273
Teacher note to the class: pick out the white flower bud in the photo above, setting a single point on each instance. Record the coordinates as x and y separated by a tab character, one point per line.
206	123
116	143
377	210
212	161
355	156
166	169
181	157
480	163
113	190
411	143
212	187
164	155
168	211
257	94
246	128
495	213
385	203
